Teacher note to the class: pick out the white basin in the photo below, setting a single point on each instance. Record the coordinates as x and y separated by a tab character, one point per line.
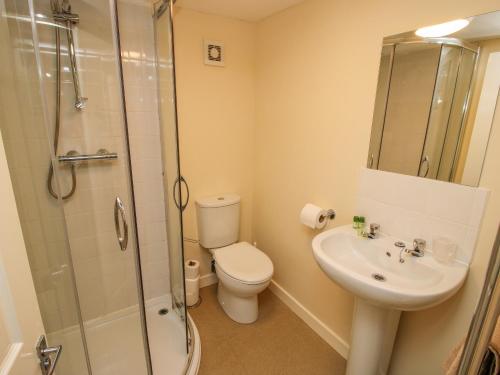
416	284
356	263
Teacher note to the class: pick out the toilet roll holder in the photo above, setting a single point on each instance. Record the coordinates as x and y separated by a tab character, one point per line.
328	215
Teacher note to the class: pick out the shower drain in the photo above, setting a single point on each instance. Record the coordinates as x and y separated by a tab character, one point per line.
163	312
378	277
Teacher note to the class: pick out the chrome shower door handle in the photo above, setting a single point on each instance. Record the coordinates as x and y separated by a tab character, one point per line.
120	213
426	162
181	206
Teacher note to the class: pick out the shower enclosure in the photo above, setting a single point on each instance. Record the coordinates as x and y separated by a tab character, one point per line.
420	107
90	132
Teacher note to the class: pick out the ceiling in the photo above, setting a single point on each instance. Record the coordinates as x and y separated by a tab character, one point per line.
247	10
485	26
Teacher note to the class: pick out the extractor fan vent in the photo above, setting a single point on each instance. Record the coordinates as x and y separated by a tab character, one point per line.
214	53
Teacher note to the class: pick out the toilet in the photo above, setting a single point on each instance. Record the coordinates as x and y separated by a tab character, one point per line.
243	270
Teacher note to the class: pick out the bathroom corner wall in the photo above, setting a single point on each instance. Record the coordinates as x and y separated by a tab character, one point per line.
216	111
317	66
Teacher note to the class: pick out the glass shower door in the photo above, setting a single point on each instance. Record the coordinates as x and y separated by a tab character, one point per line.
28	151
176	191
83	103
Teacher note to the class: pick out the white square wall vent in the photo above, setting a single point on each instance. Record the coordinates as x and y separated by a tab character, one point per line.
213	52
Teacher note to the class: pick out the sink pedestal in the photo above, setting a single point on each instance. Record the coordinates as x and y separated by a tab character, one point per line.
372	338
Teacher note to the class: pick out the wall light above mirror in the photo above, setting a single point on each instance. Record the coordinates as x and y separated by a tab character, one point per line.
436	99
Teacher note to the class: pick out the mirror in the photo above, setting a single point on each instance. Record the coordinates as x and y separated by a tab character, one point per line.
435	101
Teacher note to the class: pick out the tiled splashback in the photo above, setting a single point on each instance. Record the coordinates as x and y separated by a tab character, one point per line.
413	207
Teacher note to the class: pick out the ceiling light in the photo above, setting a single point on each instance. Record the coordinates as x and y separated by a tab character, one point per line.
442	29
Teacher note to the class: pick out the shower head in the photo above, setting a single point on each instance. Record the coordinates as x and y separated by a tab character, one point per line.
81	103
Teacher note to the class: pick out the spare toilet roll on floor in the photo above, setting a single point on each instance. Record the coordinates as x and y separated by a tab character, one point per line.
192	274
192	269
313	216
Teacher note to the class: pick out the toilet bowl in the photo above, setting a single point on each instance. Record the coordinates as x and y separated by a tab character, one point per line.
243	270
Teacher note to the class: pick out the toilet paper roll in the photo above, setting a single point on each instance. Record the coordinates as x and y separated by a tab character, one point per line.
192	269
313	216
192	291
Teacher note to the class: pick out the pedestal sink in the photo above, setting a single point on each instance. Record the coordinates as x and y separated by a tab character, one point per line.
384	286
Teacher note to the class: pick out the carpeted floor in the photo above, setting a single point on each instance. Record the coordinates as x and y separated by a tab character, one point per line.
278	343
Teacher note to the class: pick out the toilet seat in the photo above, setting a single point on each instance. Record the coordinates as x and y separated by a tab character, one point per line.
244	263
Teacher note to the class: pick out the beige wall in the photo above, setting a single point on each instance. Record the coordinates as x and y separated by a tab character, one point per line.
317	66
216	108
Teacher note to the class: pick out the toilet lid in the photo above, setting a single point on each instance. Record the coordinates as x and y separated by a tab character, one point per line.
244	262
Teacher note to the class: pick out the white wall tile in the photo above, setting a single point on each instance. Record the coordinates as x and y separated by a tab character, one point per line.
412	207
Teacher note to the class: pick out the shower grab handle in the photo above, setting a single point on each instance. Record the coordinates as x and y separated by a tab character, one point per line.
120	212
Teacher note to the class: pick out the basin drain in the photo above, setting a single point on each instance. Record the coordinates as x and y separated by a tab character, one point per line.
378	277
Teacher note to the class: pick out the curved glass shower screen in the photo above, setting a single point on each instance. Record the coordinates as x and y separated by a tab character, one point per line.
88	283
95	166
148	72
172	179
78	53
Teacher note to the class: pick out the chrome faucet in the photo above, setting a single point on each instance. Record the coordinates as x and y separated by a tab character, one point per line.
417	251
418	248
374	229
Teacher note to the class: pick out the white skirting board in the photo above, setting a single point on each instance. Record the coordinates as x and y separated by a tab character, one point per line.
208	279
334	340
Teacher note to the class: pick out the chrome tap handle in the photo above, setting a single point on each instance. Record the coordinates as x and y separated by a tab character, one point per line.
374	228
418	247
